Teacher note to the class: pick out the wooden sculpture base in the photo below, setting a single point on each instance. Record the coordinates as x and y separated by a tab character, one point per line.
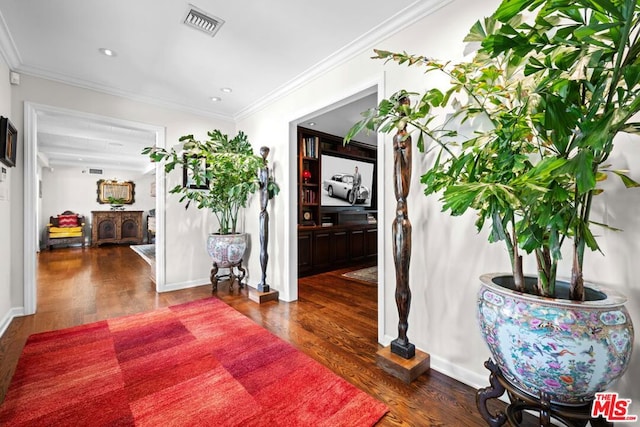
405	369
262	297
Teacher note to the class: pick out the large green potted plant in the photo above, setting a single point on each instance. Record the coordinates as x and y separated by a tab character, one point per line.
221	174
522	136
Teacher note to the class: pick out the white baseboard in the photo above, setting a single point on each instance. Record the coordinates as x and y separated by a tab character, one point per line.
192	284
6	320
169	287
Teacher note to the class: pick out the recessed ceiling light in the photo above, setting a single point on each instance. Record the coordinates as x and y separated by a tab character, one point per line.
311	123
216	99
226	89
107	52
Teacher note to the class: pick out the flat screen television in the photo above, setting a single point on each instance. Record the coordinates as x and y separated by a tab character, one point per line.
337	182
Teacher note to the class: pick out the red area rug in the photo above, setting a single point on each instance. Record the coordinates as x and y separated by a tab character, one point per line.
200	363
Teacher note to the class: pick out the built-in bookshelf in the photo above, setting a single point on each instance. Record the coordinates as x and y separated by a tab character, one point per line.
309	179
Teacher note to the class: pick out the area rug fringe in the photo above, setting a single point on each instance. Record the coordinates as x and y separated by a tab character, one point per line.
199	363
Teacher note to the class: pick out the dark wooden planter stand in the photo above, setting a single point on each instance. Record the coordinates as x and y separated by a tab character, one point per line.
232	276
572	416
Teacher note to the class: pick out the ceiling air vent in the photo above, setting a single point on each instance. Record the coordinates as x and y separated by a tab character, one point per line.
95	171
203	22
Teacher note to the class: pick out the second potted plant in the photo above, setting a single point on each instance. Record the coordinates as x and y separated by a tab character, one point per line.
222	173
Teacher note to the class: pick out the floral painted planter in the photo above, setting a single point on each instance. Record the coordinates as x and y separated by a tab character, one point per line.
226	250
571	350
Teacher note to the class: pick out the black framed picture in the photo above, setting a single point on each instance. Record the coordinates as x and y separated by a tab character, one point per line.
197	165
8	142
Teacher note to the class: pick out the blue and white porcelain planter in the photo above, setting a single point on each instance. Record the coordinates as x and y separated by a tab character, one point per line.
569	349
226	250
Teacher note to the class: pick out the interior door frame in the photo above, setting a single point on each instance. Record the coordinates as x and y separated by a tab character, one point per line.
31	239
290	291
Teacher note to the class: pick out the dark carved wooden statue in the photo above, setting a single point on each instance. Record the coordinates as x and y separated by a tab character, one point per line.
401	230
263	177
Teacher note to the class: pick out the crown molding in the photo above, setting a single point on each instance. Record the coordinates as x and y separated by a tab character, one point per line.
396	23
84	84
8	48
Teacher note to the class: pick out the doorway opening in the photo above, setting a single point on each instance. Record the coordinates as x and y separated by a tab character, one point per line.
34	116
327	232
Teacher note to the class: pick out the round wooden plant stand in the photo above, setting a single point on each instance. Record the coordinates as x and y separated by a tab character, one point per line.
232	276
571	416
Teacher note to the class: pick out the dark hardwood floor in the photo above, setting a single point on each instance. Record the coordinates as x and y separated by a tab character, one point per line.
334	321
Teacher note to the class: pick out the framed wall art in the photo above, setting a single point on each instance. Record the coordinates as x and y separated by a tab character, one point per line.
8	142
193	173
116	192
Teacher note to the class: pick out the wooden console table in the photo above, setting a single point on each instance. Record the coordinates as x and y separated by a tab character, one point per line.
117	227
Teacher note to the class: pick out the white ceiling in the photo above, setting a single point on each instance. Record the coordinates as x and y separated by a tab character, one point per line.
91	142
263	50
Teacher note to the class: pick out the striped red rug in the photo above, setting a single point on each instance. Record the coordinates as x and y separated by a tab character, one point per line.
200	363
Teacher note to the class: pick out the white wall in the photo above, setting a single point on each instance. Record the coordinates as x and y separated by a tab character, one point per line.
75	189
7	229
447	256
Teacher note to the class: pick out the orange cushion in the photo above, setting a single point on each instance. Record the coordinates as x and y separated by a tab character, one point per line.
67	221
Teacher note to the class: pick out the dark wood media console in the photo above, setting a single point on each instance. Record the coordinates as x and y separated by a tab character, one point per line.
328	248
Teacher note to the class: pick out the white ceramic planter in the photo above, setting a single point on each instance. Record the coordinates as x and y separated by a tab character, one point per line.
570	349
226	250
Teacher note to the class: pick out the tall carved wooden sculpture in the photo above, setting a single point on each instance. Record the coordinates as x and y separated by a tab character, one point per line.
263	176
401	231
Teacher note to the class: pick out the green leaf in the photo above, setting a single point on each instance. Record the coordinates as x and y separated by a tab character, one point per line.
589	30
583	168
628	182
476	33
510	8
589	238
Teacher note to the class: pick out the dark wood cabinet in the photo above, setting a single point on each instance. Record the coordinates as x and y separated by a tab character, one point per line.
117	227
327	248
305	245
357	241
371	242
321	249
340	246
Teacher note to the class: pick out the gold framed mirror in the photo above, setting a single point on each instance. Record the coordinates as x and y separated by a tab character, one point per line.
116	192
